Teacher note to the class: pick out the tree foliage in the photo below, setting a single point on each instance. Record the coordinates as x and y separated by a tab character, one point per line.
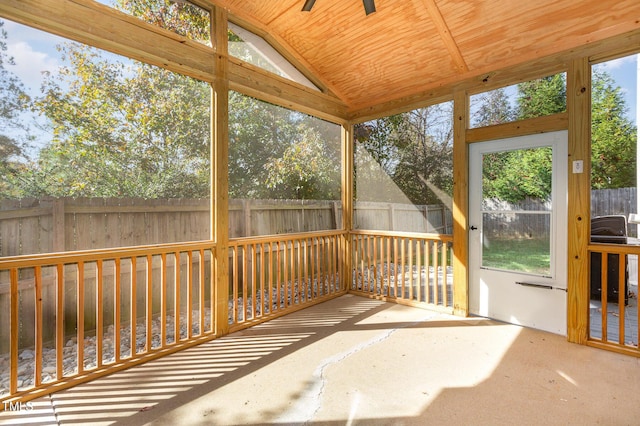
13	101
613	136
413	149
122	129
613	141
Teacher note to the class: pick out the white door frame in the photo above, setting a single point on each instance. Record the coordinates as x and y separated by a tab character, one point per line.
530	300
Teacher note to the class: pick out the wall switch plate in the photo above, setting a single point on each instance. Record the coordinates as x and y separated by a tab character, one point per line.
578	166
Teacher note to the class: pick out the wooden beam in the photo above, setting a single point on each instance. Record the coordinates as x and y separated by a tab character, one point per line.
106	28
579	202
460	204
258	83
445	34
220	170
548	123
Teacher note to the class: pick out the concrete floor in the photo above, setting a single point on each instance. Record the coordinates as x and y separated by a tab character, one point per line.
358	361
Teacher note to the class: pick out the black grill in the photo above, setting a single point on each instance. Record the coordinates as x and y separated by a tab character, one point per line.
608	230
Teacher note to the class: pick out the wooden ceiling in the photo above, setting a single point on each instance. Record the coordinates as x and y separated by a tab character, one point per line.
412	46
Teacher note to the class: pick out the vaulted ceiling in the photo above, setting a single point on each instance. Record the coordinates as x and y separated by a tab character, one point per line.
411	46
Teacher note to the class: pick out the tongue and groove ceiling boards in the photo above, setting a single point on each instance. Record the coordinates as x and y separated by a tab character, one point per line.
409	47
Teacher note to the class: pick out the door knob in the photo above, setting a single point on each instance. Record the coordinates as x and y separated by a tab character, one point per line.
473	228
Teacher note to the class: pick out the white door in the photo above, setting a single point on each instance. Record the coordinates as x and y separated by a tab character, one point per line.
518	249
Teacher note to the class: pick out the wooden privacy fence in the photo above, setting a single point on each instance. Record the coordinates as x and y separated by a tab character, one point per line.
536	219
30	226
47	225
436	219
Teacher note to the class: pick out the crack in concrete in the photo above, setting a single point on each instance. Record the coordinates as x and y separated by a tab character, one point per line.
310	402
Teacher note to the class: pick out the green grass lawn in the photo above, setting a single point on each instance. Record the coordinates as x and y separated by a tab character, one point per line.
522	255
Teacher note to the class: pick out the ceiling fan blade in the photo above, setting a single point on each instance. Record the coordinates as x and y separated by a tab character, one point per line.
308	5
369	6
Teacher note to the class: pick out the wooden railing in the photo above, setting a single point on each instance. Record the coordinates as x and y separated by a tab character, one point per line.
72	317
407	268
63	330
613	288
272	275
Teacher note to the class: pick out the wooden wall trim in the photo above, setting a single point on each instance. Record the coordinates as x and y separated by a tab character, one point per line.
460	205
579	203
549	123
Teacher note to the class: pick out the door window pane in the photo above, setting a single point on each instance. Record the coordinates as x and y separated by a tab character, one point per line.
516	210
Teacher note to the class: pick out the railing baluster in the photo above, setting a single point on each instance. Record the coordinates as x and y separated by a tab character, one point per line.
419	270
177	308
80	316
99	312
254	278
149	309
163	300
263	270
410	241
59	320
189	309
133	307
116	309
622	267
604	295
436	278
270	302
39	335
201	286
14	326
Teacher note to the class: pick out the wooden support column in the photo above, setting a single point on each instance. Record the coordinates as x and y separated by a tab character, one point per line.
347	204
579	207
460	205
219	170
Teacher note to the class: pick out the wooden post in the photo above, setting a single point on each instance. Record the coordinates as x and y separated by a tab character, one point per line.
219	170
246	217
460	205
58	244
347	204
579	188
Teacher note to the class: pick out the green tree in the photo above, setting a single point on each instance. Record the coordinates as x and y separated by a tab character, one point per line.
122	128
515	175
494	108
613	136
542	96
279	153
613	142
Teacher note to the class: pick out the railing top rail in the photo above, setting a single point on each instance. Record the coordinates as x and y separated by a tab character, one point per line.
421	235
614	248
45	259
281	237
